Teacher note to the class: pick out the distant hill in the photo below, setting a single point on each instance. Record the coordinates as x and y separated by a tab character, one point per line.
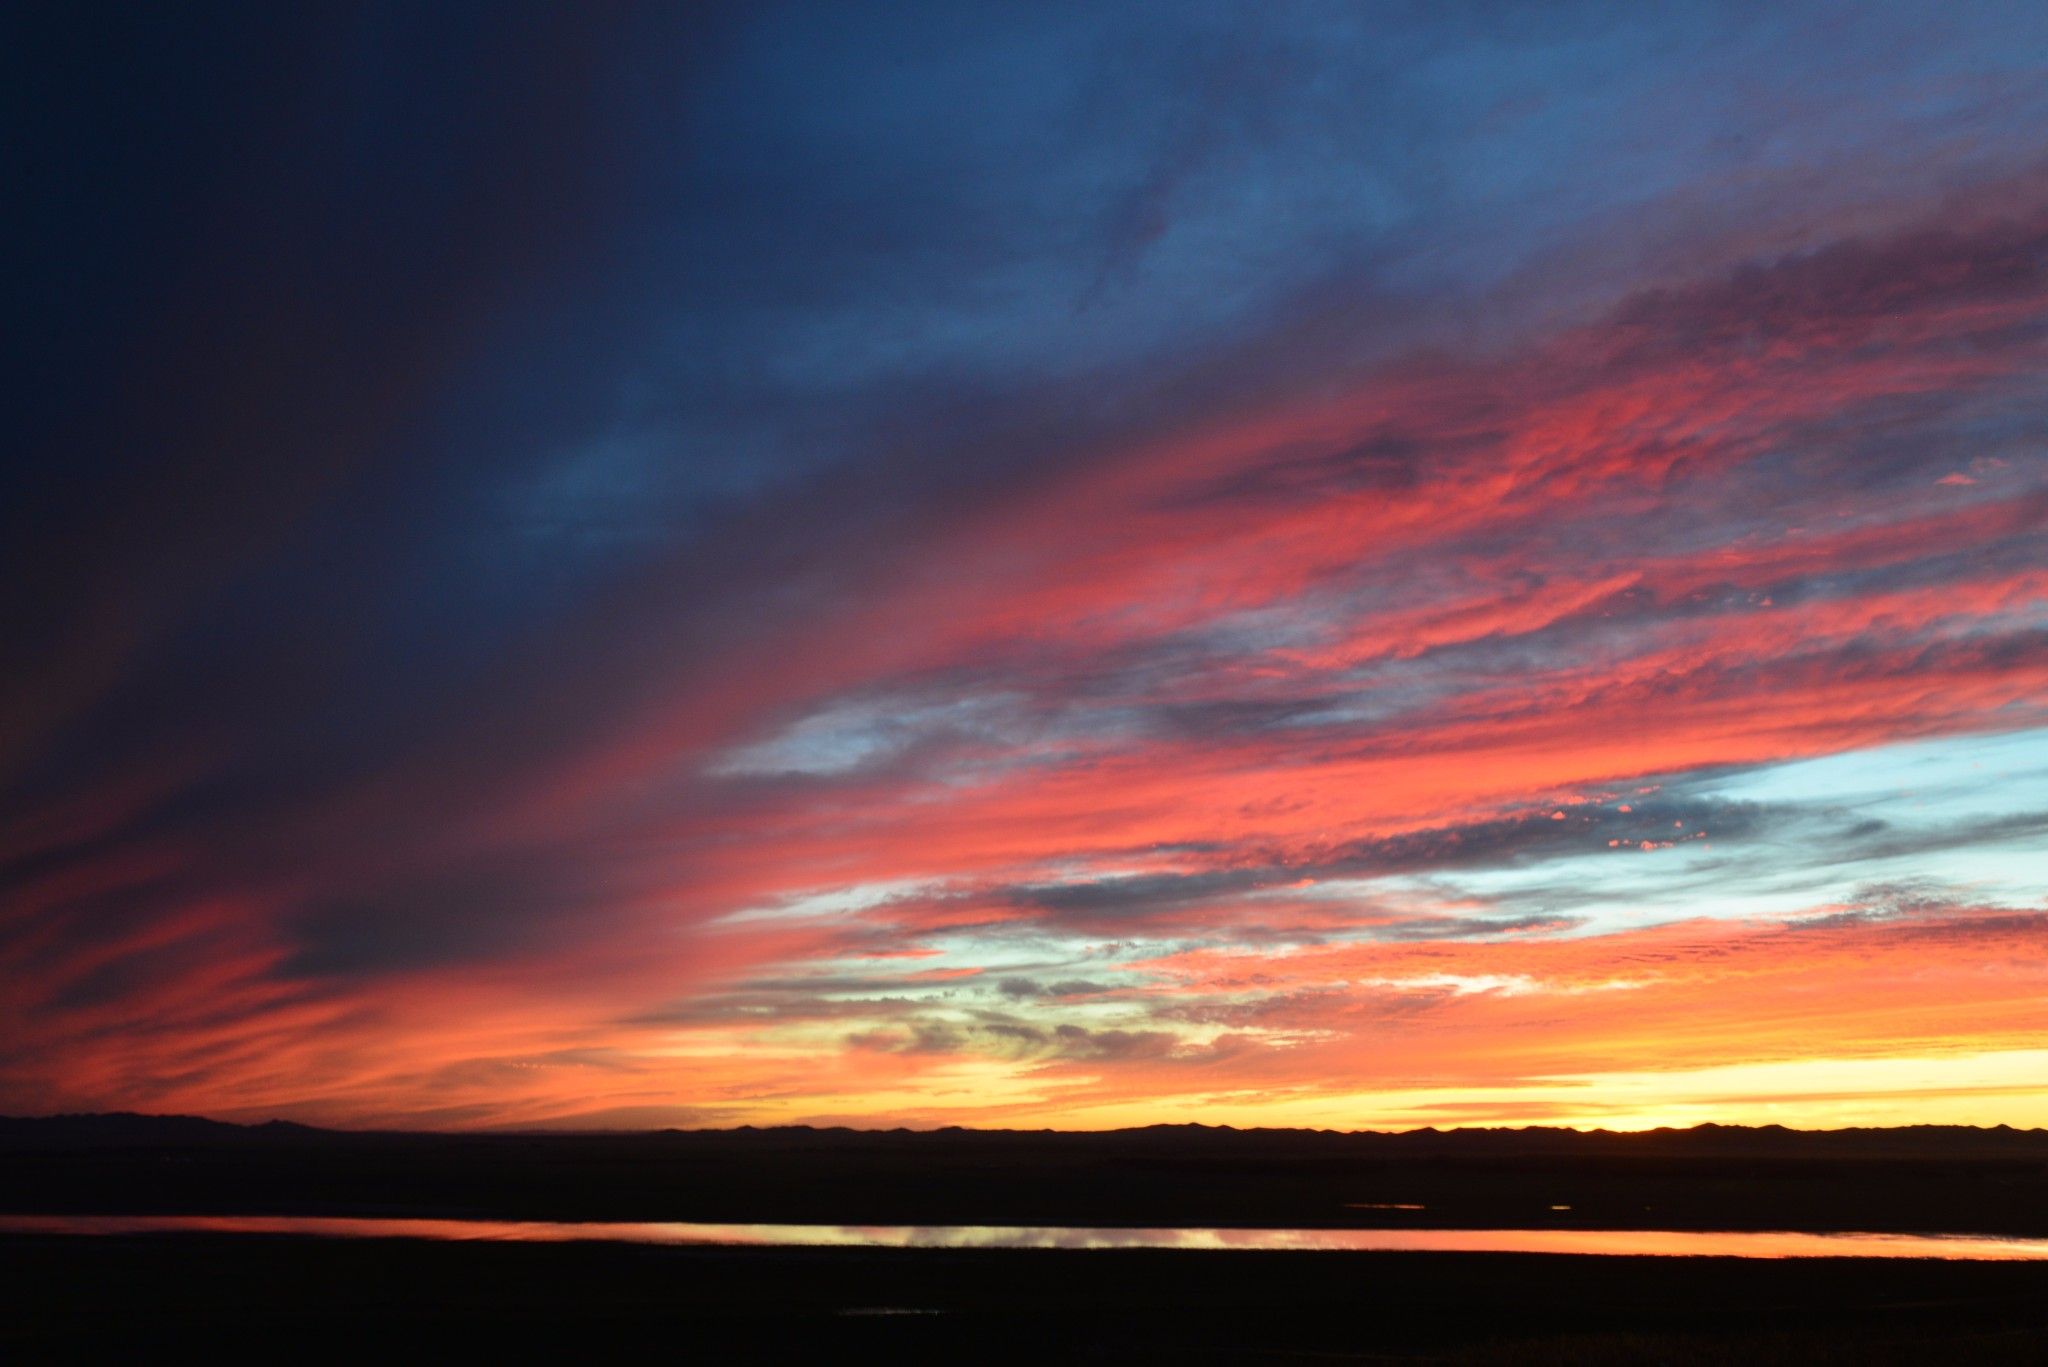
1924	1178
121	1129
127	1128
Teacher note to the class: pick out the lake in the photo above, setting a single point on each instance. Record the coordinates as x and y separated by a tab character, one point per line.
1618	1242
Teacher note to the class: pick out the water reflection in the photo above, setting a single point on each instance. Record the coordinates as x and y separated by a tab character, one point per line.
1653	1242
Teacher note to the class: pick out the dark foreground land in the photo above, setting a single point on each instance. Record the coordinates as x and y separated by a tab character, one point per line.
236	1297
1924	1179
241	1297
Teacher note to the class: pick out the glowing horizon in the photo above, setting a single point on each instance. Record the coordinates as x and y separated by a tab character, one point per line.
1353	570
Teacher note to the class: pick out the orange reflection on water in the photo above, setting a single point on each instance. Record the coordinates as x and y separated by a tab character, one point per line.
1611	1242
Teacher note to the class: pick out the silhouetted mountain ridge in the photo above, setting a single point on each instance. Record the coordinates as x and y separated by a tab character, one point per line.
1914	1178
93	1128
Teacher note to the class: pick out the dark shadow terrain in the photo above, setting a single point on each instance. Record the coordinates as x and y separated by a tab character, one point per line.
245	1296
1924	1179
141	1298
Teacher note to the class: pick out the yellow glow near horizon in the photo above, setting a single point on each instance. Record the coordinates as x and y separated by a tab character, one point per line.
1988	1088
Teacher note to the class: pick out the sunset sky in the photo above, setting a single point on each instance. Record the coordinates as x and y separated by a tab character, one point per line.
1354	565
